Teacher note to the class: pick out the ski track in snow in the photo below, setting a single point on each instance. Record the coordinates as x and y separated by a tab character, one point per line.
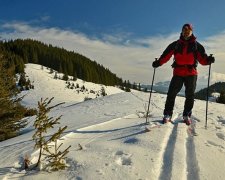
179	157
192	163
168	155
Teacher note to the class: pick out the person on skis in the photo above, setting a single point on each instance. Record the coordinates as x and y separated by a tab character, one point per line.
187	53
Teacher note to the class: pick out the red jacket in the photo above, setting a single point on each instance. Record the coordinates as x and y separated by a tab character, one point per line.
186	55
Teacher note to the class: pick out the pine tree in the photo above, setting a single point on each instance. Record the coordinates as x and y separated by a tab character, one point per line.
127	86
24	83
56	157
74	76
42	124
22	80
11	111
51	71
103	93
65	77
139	87
134	86
55	76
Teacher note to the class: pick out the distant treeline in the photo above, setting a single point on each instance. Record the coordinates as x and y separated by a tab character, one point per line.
59	59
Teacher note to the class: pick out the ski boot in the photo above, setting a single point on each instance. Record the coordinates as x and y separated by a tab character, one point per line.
187	120
166	119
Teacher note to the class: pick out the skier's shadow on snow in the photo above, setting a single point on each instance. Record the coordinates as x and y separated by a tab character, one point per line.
129	135
159	121
129	128
108	130
5	170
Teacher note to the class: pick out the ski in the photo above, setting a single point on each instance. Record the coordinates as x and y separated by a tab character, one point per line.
156	124
148	129
192	130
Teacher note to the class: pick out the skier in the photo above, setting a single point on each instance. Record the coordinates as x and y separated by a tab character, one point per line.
187	53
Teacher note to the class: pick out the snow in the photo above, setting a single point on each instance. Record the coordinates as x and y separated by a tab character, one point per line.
46	86
113	136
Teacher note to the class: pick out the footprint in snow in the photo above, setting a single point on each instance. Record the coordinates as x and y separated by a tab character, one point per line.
124	161
119	153
100	172
131	141
123	158
221	136
211	143
221	120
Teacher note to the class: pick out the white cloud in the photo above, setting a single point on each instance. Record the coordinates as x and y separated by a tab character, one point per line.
128	58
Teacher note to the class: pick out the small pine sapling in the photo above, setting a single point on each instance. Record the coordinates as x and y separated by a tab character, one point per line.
42	124
56	158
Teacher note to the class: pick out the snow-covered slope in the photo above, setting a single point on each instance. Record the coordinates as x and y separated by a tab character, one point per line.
115	143
46	86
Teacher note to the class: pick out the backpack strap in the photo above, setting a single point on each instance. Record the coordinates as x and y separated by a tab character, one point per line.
195	54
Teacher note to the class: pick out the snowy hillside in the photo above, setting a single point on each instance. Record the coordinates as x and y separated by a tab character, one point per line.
112	133
46	86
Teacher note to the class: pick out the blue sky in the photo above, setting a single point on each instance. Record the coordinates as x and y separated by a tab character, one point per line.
123	35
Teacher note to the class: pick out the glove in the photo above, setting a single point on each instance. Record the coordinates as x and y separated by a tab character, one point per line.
156	64
211	59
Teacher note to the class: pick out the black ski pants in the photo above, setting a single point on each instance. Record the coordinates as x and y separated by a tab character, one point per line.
175	86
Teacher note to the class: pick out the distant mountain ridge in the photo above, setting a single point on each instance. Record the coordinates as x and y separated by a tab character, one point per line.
202	82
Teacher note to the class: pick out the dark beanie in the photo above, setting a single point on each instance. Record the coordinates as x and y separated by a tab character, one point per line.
188	25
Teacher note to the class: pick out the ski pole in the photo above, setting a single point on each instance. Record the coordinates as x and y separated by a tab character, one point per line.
207	97
150	93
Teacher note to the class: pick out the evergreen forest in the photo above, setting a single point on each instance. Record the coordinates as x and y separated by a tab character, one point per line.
59	59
